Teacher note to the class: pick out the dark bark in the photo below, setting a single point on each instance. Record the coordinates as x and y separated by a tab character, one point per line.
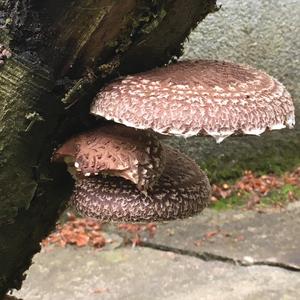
65	50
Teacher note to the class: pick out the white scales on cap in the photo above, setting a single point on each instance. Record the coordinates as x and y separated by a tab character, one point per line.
198	98
115	150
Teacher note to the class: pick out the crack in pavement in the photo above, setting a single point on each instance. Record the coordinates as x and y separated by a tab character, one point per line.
207	256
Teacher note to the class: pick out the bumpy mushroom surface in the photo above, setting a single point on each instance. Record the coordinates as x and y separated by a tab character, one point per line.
116	150
182	190
198	98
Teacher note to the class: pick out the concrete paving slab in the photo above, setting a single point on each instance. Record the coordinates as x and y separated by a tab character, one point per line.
242	235
144	274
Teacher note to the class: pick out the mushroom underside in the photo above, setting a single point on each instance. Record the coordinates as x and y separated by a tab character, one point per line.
182	191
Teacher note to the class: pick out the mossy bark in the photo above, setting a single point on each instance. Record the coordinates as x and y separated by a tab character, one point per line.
65	50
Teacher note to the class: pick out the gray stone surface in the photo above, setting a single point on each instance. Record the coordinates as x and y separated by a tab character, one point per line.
246	236
264	34
147	273
142	274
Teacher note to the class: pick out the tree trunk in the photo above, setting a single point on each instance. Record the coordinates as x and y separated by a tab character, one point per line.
54	56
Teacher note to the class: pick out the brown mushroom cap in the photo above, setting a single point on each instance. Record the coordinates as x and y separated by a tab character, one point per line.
117	150
182	190
198	98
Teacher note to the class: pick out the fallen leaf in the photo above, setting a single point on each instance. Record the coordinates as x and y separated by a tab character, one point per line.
76	231
101	290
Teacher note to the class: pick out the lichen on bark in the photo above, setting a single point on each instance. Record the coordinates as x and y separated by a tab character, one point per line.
17	161
53	43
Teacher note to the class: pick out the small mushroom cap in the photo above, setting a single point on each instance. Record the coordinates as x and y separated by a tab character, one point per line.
182	190
135	155
202	97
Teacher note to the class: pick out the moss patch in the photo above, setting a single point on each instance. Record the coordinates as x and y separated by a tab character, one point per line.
278	197
281	196
274	152
234	201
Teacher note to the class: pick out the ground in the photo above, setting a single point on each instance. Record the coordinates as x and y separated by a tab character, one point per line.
232	254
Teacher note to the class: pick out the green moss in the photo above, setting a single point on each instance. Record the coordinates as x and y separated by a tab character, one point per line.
234	201
274	152
232	168
20	89
279	196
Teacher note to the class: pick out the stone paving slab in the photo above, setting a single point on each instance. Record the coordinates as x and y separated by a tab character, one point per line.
242	235
144	274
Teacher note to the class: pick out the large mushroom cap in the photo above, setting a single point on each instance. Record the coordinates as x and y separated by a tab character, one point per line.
198	98
117	150
182	190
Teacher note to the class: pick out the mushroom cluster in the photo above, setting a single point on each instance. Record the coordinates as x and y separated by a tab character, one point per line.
125	173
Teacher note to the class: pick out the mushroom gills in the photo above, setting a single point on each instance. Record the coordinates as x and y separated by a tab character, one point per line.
182	191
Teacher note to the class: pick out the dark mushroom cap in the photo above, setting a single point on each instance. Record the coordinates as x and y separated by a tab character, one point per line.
182	190
135	155
198	98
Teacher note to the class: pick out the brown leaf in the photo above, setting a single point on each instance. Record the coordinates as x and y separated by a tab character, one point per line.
253	200
77	231
101	290
211	234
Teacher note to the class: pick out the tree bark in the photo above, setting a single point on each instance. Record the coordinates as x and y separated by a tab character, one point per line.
54	57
